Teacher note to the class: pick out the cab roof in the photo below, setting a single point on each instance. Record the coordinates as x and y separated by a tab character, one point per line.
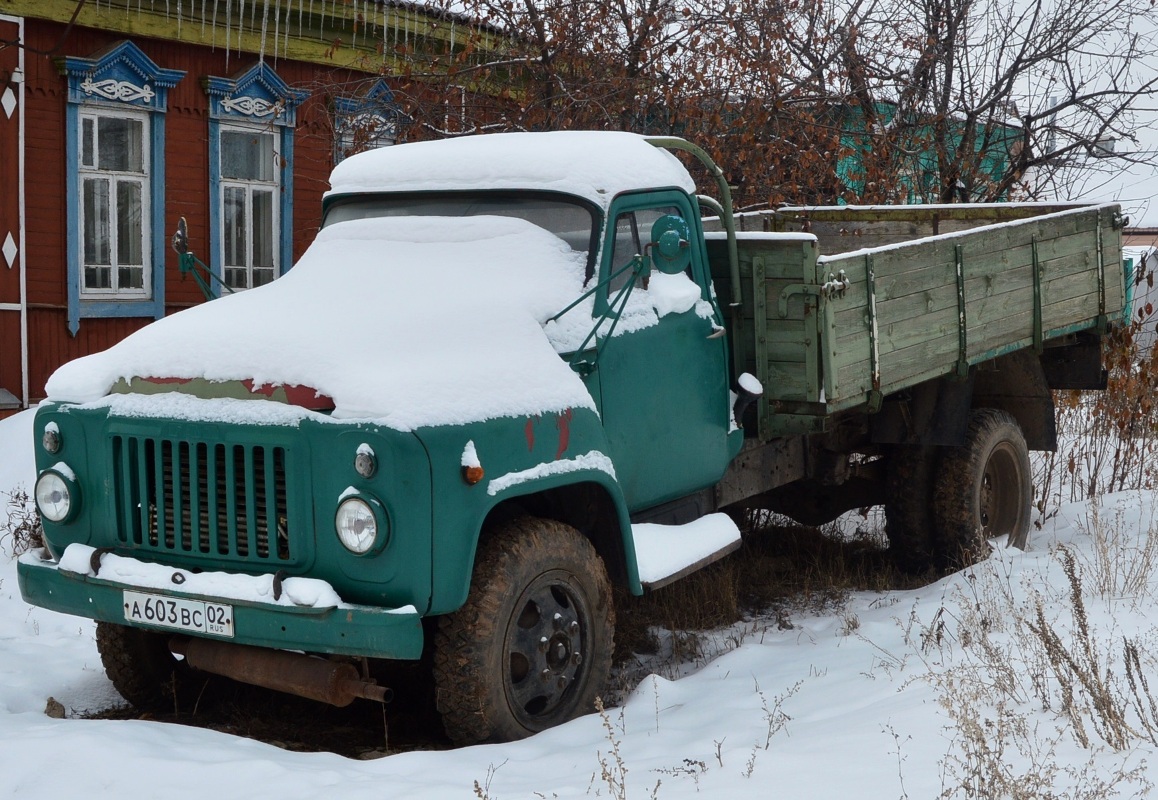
594	165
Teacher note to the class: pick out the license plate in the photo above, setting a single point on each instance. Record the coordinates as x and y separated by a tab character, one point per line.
179	613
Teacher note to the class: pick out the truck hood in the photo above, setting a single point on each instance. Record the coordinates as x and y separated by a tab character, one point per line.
410	322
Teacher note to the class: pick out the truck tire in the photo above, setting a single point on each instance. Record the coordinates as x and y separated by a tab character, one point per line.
984	489
141	668
908	507
531	647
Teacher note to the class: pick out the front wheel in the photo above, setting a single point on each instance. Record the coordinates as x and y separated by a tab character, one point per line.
142	668
984	489
531	647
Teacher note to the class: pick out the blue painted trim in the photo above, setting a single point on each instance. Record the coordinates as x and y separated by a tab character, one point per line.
72	205
286	213
256	95
379	96
125	62
216	241
90	309
91	81
157	224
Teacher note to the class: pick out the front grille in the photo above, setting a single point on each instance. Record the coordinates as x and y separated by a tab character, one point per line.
218	500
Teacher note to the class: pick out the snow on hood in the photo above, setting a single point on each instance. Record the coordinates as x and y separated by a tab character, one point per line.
596	165
408	321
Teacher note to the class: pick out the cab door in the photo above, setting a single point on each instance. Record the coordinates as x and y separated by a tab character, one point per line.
662	373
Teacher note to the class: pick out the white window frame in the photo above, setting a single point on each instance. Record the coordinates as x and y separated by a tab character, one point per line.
115	177
248	186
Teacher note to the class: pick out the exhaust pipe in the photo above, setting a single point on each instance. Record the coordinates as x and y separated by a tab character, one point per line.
335	682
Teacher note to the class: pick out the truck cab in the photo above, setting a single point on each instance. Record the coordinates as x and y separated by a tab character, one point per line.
434	433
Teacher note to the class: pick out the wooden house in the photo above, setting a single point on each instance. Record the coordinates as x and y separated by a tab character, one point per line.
119	117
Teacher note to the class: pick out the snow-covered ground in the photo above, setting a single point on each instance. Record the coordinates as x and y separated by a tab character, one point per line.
899	695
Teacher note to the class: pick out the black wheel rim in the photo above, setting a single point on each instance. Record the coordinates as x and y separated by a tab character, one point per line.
545	650
1000	495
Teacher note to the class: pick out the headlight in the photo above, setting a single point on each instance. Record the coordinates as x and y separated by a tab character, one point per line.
356	525
55	496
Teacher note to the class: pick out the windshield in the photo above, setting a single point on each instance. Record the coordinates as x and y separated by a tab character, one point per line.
570	219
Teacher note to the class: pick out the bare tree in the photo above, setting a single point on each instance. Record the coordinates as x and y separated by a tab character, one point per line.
859	100
991	99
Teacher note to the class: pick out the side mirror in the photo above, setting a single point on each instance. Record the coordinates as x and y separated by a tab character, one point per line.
671	250
181	238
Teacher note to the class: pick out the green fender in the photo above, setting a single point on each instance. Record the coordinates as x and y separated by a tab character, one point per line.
520	457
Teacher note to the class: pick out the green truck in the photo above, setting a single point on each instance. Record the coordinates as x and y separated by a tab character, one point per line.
516	370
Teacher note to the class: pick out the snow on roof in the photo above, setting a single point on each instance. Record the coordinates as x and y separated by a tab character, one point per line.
596	165
407	321
1139	252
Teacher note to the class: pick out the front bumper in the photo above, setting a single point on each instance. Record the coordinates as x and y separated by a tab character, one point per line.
331	628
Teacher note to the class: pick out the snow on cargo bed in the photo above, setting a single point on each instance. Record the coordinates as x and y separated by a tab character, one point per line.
596	165
411	322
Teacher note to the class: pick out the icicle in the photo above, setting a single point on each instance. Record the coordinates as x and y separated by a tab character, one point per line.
241	21
354	25
289	8
264	19
228	29
178	19
276	26
203	19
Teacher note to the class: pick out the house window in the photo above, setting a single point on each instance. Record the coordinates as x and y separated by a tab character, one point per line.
364	131
249	213
366	121
115	157
114	203
251	143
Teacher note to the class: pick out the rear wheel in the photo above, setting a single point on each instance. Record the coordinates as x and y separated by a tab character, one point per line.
531	647
908	515
984	489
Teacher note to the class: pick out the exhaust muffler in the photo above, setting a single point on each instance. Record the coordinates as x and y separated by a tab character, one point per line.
335	682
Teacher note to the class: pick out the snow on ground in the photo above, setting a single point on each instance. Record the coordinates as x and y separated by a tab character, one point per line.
869	702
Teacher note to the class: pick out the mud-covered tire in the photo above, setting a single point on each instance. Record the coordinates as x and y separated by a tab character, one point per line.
984	489
142	668
908	507
531	647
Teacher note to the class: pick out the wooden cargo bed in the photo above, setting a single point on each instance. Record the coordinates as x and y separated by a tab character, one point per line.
829	324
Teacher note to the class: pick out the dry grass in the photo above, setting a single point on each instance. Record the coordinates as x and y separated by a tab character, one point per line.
1107	440
781	569
22	530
